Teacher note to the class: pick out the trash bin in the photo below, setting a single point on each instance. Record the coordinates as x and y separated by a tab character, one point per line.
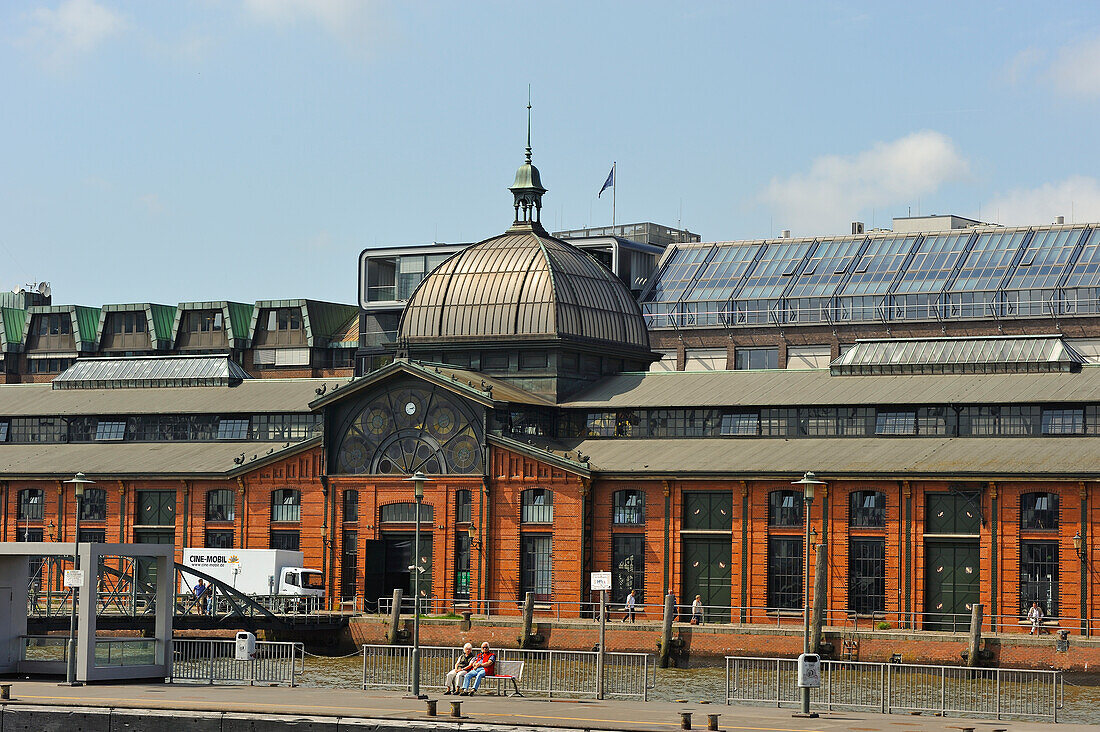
246	646
809	671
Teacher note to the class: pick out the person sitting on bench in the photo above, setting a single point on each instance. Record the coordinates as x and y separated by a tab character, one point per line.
462	662
482	666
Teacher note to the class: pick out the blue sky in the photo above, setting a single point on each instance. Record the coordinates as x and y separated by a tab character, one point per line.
249	149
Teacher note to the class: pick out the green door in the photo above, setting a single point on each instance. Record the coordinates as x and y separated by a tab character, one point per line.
707	573
951	584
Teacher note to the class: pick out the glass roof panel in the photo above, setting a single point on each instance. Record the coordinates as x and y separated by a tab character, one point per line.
723	273
881	260
772	273
1085	272
982	353
831	260
1045	260
932	264
677	274
153	371
988	261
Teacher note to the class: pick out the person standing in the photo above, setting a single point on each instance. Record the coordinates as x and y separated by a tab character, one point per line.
200	596
697	611
631	601
484	665
1035	615
462	662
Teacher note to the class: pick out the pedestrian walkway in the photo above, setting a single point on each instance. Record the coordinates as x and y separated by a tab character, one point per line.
325	704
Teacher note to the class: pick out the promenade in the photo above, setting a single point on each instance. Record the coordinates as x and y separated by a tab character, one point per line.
37	705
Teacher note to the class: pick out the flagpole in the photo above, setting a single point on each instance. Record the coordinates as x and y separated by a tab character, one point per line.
614	189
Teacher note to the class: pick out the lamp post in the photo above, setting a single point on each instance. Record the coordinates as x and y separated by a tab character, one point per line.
809	482
418	480
79	483
1079	546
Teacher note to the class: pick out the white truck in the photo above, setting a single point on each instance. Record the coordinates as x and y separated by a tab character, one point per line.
256	572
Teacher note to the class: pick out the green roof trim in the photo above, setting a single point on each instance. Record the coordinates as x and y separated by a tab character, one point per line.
164	317
12	323
240	321
327	320
87	327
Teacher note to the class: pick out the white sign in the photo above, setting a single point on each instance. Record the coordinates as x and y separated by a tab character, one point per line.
601	580
74	577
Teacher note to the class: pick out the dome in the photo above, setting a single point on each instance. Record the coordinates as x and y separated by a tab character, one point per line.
524	284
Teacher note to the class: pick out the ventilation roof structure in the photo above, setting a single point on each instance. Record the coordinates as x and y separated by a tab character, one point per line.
993	354
144	372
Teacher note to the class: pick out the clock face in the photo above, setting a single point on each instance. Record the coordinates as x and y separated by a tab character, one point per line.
410	408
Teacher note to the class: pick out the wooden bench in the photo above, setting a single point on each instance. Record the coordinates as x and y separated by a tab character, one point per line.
507	671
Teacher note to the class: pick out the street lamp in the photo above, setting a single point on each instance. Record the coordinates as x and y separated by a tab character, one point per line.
418	480
809	483
1079	546
79	483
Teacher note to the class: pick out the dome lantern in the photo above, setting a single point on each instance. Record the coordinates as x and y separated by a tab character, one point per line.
527	190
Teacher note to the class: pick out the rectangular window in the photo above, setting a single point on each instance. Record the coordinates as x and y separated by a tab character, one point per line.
1039	576
896	423
1063	421
114	431
232	429
97	536
741	424
156	508
627	566
463	506
219	539
93	506
349	566
288	540
708	511
3	431
351	505
785	573
756	358
31	504
867	576
537	506
462	566
286	505
154	536
536	566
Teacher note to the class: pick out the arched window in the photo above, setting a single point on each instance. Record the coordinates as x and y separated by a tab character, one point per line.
1039	511
406	513
351	505
537	506
220	505
867	509
785	508
628	507
463	506
286	505
93	505
30	504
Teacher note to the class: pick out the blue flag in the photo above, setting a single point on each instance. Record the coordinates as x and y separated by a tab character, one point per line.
610	182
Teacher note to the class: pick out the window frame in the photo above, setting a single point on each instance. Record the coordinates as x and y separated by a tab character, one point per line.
1053	513
286	505
862	517
93	498
215	502
861	601
349	504
777	511
536	511
1029	587
24	510
625	512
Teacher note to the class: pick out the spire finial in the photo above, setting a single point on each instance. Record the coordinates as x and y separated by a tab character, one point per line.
528	123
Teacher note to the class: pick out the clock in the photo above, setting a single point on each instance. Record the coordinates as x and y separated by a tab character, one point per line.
410	408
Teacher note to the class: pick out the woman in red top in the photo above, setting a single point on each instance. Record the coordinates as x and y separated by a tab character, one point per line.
484	665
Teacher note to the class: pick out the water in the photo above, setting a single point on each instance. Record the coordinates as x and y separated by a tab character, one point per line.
1082	692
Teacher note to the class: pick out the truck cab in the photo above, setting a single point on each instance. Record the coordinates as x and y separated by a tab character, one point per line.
302	582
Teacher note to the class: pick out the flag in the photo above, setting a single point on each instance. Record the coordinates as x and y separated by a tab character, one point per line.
610	182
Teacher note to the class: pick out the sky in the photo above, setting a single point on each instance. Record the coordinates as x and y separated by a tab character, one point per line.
189	150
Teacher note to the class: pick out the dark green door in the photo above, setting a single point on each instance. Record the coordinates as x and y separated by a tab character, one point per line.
951	584
707	573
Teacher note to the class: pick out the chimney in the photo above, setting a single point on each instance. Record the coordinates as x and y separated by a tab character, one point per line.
785	234
1060	219
857	227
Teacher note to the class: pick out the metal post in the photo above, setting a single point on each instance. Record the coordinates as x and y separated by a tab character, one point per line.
806	599
600	655
71	665
416	603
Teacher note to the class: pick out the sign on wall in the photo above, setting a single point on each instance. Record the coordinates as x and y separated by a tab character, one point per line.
601	580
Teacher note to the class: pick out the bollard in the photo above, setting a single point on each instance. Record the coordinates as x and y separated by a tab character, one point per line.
5	691
456	709
712	721
431	706
685	720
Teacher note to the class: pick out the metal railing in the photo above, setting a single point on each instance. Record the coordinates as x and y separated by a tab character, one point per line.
840	618
545	673
214	661
889	688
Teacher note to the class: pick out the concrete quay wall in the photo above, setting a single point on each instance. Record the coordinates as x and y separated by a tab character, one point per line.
708	642
29	718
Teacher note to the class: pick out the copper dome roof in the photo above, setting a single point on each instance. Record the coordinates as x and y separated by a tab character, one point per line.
524	284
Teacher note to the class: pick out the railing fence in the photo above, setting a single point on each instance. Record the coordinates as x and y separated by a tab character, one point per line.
214	661
889	688
545	673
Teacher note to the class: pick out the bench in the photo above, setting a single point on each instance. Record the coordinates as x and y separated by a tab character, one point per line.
507	671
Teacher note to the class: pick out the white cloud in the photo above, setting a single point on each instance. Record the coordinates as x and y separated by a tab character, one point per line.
1076	69
1022	65
839	188
1077	198
73	29
347	20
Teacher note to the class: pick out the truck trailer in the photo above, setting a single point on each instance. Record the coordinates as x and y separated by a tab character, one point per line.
255	571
